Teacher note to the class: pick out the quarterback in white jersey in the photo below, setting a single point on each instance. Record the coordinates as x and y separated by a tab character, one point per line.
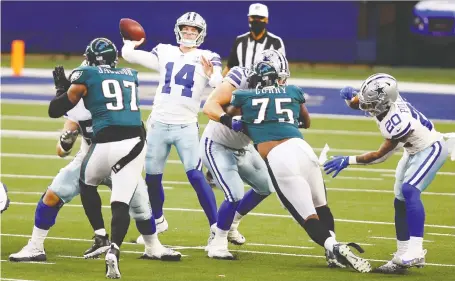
184	71
425	151
65	186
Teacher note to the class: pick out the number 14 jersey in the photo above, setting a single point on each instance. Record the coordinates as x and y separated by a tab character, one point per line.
182	81
403	118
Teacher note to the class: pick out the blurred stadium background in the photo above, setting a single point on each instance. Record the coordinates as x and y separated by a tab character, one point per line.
329	45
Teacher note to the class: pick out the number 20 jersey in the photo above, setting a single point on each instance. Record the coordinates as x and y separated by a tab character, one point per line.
182	81
403	118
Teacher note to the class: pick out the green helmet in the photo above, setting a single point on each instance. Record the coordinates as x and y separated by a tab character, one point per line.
262	75
101	51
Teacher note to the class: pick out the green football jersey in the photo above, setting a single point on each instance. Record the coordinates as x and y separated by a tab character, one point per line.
112	95
270	113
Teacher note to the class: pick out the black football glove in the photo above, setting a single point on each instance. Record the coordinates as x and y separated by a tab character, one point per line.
61	82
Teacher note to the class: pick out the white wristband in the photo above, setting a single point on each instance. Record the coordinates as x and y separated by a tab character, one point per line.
352	160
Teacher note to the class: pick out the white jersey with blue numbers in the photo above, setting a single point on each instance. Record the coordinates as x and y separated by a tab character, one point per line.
403	118
182	80
218	132
80	115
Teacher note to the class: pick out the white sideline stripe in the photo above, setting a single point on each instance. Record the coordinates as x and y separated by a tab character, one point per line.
393	238
187	183
441	234
430	88
255	214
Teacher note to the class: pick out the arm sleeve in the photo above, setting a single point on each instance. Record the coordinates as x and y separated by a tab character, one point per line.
147	59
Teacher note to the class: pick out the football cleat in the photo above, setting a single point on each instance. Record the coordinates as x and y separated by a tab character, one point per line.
409	260
112	262
332	261
100	245
161	253
219	250
346	256
211	237
235	237
29	252
390	268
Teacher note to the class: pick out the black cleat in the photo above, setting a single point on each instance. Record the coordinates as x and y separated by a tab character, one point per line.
100	246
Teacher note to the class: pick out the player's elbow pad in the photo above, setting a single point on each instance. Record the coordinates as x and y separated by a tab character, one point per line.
59	106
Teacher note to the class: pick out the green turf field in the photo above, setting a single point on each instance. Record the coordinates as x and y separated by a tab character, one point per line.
298	70
276	249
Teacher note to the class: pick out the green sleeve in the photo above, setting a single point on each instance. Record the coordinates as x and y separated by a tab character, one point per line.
299	95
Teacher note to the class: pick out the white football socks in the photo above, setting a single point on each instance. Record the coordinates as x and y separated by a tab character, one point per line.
38	236
101	232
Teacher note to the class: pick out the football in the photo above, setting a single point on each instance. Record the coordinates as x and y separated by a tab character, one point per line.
131	29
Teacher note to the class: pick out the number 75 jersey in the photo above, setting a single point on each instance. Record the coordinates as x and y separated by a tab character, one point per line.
402	119
182	81
270	113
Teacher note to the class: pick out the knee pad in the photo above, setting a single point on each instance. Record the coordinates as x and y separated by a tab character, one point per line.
410	192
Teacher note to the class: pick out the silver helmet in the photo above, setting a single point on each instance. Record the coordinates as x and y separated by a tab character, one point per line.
190	19
377	93
278	61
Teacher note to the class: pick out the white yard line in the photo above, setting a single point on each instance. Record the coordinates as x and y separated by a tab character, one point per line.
441	234
11	279
253	214
202	247
187	183
394	239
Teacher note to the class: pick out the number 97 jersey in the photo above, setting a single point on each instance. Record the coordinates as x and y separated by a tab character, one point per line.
403	119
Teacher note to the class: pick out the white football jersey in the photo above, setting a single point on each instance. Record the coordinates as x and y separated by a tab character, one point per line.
403	118
182	81
80	115
218	132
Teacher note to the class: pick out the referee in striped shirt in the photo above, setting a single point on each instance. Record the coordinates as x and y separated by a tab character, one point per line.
252	43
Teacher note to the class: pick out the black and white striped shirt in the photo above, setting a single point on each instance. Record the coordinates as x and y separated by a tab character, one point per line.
245	48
